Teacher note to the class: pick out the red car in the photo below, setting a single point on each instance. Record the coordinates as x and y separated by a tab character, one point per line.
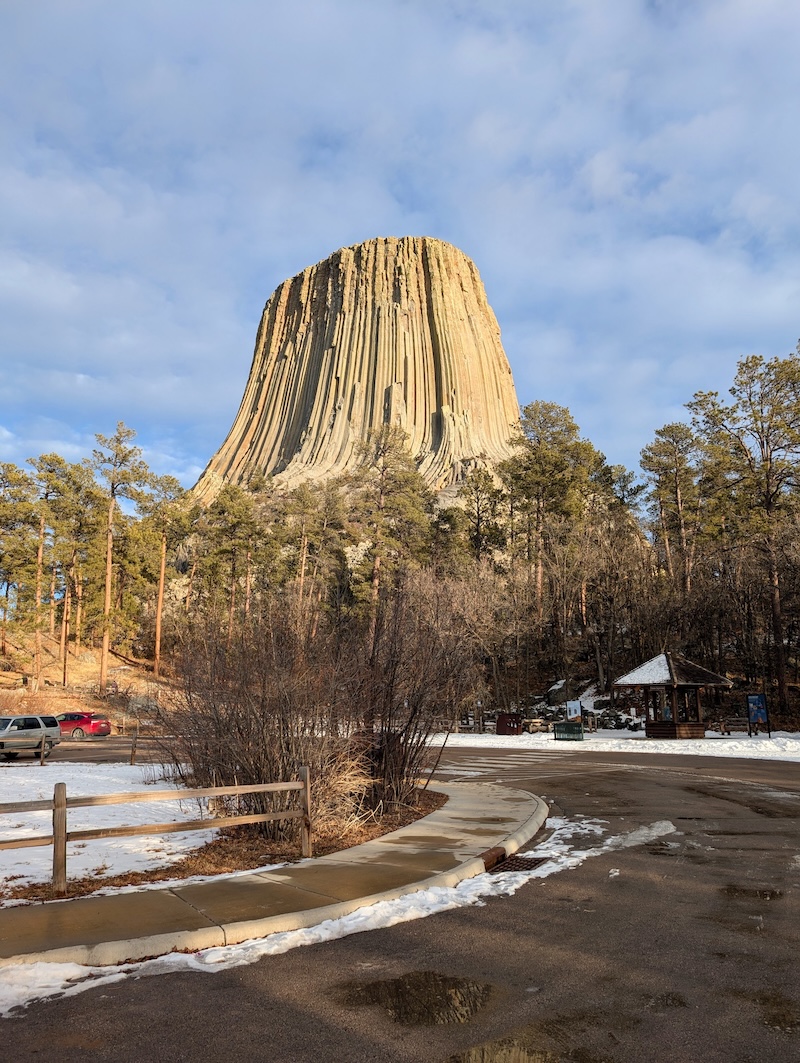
81	724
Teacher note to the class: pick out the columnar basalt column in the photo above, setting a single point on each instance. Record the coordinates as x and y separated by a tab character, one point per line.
390	331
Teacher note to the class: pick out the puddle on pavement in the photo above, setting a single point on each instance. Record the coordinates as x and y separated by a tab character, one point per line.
521	1050
666	1000
772	810
752	893
662	848
507	1051
421	998
779	1012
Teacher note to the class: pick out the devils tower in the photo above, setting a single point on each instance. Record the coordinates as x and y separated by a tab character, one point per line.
391	331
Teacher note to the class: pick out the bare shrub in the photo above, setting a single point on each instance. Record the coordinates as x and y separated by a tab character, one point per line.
355	700
414	677
12	702
256	706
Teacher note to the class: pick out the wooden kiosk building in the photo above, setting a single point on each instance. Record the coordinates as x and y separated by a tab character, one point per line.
671	686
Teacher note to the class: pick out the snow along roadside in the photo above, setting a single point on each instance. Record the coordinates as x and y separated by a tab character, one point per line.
783	745
567	848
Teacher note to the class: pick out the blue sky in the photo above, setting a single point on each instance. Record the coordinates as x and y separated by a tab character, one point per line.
624	175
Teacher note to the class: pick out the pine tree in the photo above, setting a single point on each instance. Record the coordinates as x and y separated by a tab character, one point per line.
167	512
483	499
125	476
755	441
389	508
17	538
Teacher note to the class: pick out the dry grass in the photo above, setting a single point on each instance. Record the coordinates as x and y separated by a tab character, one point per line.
237	849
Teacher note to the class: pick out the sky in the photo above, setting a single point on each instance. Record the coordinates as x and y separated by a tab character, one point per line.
624	176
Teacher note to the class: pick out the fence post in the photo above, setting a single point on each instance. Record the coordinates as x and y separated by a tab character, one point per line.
305	830
134	738
60	838
41	752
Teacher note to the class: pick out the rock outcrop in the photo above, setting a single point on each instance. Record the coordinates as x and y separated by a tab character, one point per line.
389	331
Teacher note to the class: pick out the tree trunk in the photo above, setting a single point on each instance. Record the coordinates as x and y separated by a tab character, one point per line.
189	588
107	597
303	557
232	601
598	656
375	590
665	540
376	575
78	609
53	602
4	627
777	629
37	651
65	634
248	581
162	569
62	644
686	569
539	567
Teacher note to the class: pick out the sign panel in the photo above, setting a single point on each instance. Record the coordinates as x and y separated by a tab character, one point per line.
757	708
574	710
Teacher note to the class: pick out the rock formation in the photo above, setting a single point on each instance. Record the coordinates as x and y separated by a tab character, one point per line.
390	331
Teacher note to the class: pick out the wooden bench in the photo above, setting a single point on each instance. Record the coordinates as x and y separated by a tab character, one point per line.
729	724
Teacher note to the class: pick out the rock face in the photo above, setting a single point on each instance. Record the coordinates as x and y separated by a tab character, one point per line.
390	331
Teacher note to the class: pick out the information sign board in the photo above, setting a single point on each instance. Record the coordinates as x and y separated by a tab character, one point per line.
574	710
757	711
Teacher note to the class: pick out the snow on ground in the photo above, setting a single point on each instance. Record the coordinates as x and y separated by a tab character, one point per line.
22	781
783	745
570	844
29	781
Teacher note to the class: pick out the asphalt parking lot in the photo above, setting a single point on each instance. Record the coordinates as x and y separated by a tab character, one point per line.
679	949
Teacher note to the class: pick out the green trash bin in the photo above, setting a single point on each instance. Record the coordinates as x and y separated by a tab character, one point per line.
568	732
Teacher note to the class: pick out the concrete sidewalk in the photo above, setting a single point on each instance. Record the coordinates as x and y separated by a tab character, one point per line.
479	826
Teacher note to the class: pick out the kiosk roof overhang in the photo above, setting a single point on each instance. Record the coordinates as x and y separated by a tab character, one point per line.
671	670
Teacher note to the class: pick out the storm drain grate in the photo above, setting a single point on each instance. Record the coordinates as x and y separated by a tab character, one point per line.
519	863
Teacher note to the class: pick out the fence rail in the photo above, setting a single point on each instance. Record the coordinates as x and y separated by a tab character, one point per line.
60	803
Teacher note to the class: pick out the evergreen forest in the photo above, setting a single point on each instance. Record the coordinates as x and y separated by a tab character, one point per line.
364	597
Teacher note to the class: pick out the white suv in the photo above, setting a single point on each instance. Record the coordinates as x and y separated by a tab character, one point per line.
19	733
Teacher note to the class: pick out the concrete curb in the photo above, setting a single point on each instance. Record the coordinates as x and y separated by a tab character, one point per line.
136	949
494	856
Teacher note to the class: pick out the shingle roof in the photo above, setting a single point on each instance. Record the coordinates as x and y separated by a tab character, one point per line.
668	670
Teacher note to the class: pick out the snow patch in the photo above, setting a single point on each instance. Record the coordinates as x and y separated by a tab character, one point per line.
22	984
103	856
783	745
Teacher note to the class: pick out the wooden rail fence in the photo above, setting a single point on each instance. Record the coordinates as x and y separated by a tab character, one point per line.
60	803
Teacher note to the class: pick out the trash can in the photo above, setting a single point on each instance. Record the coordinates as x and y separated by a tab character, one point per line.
568	732
508	723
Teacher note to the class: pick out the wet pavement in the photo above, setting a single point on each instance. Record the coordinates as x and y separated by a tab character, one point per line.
678	949
479	824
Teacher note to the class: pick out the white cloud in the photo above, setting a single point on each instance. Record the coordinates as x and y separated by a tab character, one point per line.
623	176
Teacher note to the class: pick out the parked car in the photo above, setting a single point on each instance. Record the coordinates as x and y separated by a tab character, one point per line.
18	733
80	724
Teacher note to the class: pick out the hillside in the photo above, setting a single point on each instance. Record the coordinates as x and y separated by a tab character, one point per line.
130	682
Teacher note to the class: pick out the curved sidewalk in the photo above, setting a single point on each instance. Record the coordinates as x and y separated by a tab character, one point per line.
480	825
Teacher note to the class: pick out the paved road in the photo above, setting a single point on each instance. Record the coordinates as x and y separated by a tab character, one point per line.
116	749
681	949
